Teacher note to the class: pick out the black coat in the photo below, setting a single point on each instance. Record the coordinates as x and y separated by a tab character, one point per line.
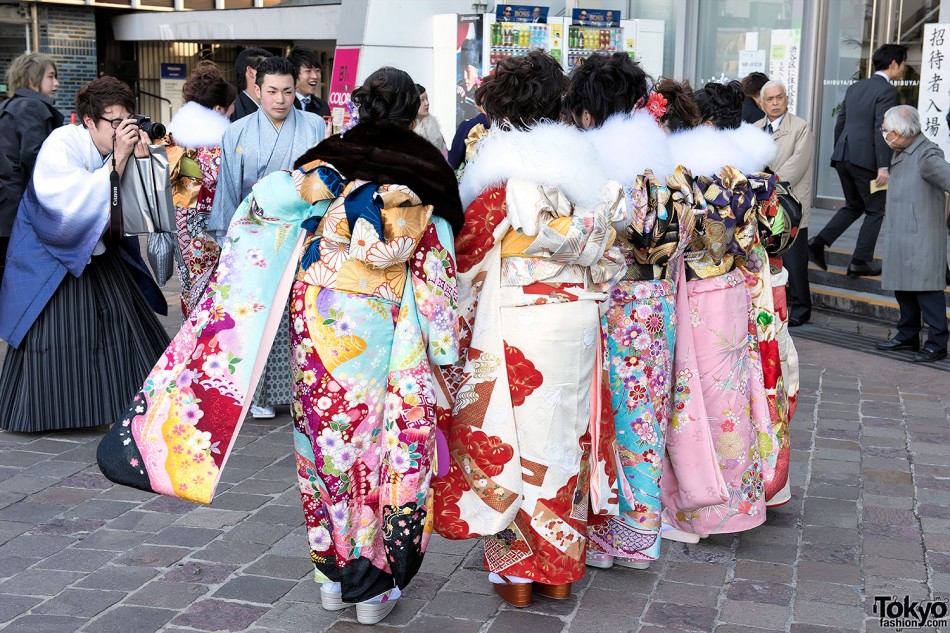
858	138
317	106
28	119
243	106
750	111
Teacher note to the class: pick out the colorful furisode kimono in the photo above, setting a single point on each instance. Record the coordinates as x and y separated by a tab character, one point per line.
372	306
641	326
531	451
194	155
720	383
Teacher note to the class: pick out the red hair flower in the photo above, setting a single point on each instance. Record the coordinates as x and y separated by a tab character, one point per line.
656	105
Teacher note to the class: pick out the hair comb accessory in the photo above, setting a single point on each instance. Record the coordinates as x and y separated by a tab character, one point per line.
354	117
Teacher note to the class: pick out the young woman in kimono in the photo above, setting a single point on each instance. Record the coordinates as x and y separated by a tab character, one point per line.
194	154
373	307
719	393
640	323
77	303
530	451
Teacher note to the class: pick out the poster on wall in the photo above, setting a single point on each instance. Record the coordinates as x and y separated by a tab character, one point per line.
521	13
784	58
346	61
933	102
595	17
172	81
468	66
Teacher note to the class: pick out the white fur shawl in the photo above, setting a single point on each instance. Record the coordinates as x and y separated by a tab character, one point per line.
549	154
705	150
629	144
195	126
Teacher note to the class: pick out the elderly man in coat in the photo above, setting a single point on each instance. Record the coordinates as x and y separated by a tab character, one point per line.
915	250
793	163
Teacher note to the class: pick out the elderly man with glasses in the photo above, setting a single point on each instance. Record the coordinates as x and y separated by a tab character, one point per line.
794	163
915	248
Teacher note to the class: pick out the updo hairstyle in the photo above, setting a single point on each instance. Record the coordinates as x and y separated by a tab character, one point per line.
607	84
389	94
524	90
721	104
207	86
682	112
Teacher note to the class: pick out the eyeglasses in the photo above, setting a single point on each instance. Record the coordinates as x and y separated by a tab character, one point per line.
115	123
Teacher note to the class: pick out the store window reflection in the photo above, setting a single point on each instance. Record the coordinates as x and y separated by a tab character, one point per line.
659	10
737	37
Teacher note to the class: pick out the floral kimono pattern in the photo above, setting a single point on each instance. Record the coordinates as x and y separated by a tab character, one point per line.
720	359
373	308
531	451
194	178
182	425
640	327
777	491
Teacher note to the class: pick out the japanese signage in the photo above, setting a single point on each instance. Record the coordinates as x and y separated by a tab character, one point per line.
171	84
521	13
784	60
346	61
595	17
934	100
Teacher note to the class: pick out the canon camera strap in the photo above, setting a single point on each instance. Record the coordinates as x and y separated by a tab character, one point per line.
115	201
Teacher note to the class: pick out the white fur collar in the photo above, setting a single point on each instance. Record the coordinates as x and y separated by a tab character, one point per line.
195	126
705	150
550	154
629	144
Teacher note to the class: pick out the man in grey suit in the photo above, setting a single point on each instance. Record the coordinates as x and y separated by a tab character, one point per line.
861	157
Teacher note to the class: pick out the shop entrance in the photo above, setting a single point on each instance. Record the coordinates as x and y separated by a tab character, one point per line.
852	30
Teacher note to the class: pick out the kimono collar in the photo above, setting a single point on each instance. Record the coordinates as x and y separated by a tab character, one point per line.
389	154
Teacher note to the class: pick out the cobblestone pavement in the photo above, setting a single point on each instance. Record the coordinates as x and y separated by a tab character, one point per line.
870	516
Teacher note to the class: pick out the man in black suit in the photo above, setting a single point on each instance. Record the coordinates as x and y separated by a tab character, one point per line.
309	78
752	86
862	157
245	74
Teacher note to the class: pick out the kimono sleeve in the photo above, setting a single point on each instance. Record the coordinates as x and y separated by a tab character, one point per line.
432	273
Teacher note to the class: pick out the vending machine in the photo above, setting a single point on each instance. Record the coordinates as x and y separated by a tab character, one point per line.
513	39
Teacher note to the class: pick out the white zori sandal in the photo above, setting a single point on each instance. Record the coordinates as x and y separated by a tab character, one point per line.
367	612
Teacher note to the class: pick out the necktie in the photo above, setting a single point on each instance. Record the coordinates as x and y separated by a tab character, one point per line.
768	127
305	103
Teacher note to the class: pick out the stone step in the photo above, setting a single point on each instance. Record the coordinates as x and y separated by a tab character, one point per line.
856	302
836	277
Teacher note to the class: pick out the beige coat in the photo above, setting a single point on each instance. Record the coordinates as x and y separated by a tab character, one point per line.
795	161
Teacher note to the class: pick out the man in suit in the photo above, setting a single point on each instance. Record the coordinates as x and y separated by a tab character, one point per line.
793	163
861	157
245	75
752	87
309	79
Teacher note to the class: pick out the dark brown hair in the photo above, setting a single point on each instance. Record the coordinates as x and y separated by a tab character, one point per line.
389	94
682	112
721	103
753	82
99	94
524	90
207	86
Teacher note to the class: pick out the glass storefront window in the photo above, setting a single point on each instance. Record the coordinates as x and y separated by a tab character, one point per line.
740	36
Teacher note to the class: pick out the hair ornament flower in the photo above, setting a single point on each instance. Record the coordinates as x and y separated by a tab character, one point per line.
354	113
656	105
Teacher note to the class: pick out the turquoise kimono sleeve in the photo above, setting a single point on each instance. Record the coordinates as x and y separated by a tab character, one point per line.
432	273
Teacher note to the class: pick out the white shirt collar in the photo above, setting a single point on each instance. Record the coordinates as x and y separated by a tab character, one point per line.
777	122
301	98
883	74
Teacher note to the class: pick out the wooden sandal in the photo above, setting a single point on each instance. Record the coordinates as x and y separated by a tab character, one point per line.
556	592
515	594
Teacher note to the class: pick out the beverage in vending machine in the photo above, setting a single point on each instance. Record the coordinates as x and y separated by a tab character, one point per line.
580	39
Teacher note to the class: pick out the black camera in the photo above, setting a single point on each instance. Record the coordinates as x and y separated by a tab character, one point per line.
155	130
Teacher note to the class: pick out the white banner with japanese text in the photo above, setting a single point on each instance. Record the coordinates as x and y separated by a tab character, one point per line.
934	100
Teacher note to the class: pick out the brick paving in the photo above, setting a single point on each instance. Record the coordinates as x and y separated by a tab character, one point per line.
869	516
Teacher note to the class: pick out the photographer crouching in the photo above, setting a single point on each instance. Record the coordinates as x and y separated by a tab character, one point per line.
77	304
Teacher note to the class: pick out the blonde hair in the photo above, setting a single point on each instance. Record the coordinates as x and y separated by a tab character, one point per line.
27	71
